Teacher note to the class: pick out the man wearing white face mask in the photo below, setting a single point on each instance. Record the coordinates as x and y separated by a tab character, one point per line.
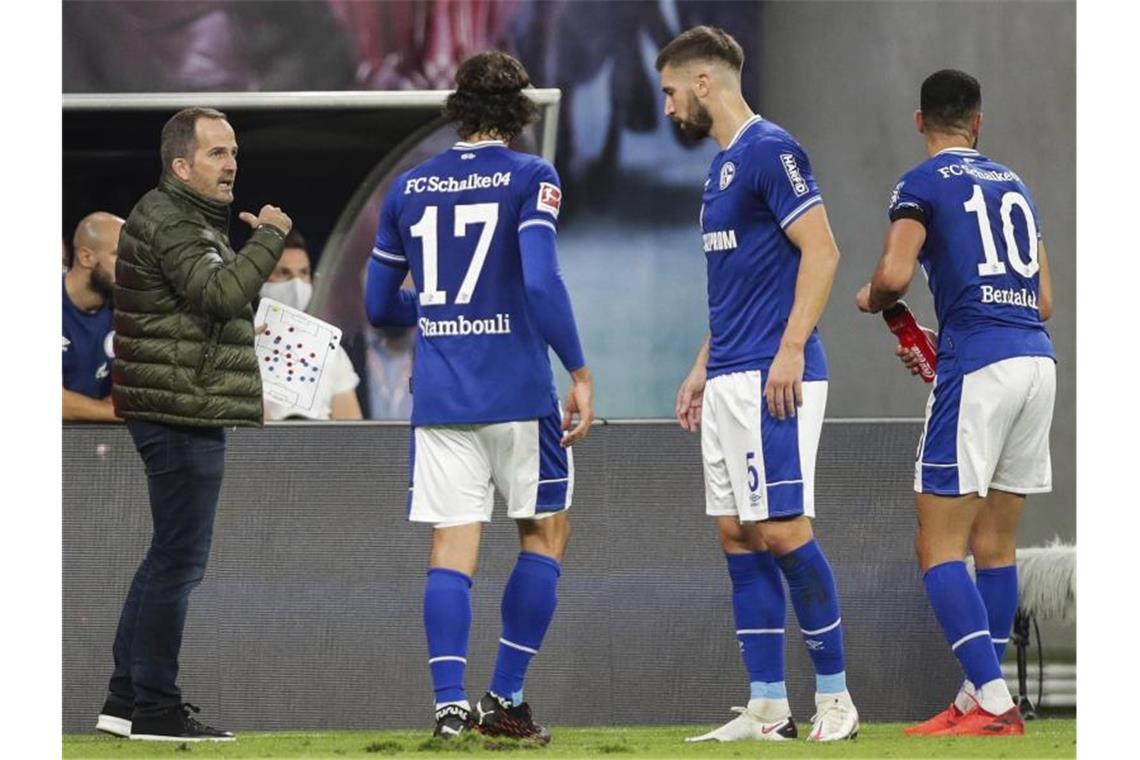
291	283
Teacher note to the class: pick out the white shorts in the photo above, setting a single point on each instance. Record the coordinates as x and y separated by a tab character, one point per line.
989	429
757	467
455	470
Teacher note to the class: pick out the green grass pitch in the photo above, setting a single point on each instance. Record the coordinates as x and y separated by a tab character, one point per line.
1044	738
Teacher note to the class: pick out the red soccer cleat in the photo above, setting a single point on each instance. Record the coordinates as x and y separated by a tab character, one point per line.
978	722
940	722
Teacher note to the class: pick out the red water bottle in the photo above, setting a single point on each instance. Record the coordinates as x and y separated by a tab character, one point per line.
911	337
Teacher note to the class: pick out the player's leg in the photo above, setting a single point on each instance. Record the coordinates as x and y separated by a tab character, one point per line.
536	477
1015	432
944	525
789	454
451	491
529	601
758	604
1002	450
993	542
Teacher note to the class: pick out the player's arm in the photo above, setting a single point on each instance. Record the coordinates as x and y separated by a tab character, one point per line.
819	260
691	393
1045	296
80	408
385	301
895	270
198	273
554	317
345	406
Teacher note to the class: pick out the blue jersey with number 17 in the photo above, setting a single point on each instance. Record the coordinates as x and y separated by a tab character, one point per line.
980	257
454	221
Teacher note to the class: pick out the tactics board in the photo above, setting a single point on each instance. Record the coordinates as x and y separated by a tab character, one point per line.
293	349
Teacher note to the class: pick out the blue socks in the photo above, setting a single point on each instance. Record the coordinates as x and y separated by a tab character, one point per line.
998	589
759	609
962	615
447	621
811	586
527	609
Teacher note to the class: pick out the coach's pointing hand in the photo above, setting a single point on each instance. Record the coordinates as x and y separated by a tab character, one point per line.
579	400
268	215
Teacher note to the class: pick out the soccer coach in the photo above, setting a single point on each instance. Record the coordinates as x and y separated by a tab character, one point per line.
184	370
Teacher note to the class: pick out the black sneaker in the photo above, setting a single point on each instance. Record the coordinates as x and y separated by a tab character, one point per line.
451	720
115	717
496	716
177	725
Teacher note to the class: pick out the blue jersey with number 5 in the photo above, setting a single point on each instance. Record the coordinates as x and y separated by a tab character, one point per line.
980	256
454	221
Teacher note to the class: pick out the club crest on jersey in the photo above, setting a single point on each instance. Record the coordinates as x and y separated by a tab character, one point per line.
792	169
549	198
727	172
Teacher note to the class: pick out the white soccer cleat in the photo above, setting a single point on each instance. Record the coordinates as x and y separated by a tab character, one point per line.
757	722
835	718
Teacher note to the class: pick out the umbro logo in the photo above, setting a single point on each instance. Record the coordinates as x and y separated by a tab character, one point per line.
814	645
467	156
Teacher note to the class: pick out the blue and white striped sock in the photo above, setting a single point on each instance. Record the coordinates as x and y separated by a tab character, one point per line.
447	622
811	585
759	610
529	601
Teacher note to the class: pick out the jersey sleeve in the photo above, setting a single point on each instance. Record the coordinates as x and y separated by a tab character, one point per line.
542	199
912	199
389	247
782	176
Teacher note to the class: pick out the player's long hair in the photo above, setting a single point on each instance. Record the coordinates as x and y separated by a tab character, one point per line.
488	97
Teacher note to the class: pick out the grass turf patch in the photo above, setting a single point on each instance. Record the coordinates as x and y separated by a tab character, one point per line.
1043	739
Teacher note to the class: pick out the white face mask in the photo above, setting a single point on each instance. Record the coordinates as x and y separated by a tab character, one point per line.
295	292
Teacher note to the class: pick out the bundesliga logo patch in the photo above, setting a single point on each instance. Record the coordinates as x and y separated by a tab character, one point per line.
793	171
549	198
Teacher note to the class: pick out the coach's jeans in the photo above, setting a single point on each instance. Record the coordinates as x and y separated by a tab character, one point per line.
184	476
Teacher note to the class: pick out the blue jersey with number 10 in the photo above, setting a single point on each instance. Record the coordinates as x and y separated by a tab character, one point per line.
454	221
980	257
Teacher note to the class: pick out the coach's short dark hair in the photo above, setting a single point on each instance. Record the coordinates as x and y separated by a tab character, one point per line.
949	99
295	240
702	43
178	136
488	96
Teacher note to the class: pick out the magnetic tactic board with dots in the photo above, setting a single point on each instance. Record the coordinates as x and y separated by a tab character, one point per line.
292	350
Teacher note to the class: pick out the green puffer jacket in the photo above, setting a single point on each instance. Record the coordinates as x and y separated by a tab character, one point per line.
183	323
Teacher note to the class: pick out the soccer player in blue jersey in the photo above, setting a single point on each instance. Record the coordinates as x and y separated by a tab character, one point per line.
476	227
88	291
759	384
973	226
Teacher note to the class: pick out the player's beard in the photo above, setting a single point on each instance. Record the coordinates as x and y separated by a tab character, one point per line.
696	127
102	284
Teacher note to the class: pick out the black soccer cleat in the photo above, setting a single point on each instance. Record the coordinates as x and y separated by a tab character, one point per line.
452	720
495	716
177	725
